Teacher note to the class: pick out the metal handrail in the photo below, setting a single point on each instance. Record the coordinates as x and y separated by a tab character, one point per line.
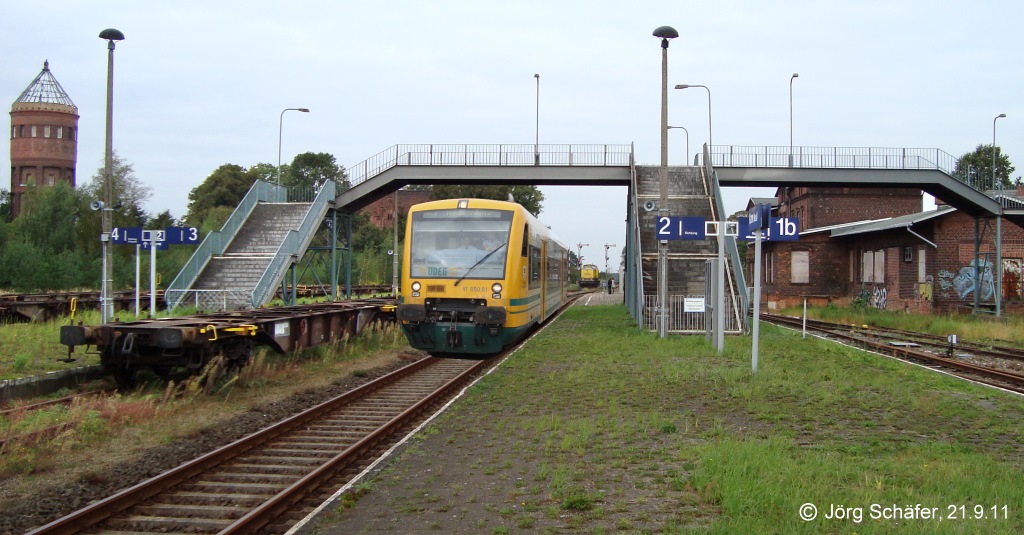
833	157
294	245
498	155
216	242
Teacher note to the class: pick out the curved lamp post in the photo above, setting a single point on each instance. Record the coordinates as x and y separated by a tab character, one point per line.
683	128
997	117
687	86
795	75
280	126
106	304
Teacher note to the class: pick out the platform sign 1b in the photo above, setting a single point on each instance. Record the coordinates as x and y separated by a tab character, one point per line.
778	229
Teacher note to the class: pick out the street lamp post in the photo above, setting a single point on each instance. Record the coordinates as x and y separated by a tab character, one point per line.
998	283
106	304
536	139
795	75
997	117
687	86
664	33
280	126
687	140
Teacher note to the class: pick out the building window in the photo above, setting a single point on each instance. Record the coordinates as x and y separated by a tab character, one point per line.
60	132
908	254
46	131
872	266
33	130
799	267
880	266
21	130
769	268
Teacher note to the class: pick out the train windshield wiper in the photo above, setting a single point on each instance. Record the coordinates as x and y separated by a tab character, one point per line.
478	262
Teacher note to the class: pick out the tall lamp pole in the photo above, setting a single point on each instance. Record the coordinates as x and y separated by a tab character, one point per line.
536	139
106	304
795	75
664	33
999	230
687	86
997	117
280	127
687	140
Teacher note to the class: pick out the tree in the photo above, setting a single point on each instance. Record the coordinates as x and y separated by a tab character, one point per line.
313	170
976	168
529	196
226	186
5	205
128	195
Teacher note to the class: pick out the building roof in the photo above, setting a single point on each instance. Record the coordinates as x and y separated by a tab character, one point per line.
45	89
904	221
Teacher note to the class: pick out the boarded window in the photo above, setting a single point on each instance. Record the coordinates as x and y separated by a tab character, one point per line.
799	269
879	266
922	272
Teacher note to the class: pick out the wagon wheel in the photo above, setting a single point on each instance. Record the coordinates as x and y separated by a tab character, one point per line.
125	374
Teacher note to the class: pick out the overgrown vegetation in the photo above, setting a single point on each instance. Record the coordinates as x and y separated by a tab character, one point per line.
158	412
596	426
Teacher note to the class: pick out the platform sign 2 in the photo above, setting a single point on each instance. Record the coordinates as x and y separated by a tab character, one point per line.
680	228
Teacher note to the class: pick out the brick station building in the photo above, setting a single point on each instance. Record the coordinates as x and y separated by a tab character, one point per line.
877	247
44	137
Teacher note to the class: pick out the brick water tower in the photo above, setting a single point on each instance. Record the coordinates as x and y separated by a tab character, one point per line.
44	137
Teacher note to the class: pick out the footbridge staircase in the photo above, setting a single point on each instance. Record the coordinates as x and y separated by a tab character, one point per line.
242	265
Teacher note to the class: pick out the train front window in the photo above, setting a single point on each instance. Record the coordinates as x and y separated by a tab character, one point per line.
447	244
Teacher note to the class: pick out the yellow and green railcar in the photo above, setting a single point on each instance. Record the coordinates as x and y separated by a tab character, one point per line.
478	275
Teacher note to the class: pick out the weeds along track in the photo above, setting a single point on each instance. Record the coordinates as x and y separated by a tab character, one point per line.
272	478
992	365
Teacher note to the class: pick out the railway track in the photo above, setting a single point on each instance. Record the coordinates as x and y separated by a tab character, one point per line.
271	478
914	347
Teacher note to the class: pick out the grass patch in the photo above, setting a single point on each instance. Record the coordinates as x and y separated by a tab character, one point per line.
616	429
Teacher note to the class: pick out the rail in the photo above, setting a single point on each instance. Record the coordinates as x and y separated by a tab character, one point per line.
294	245
833	158
491	155
216	242
738	279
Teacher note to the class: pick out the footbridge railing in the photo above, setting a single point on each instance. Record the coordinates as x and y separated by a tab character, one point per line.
833	157
496	155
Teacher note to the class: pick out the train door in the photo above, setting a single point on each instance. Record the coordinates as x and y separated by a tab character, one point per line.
543	279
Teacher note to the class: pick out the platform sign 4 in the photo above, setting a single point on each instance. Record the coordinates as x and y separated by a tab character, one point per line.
126	235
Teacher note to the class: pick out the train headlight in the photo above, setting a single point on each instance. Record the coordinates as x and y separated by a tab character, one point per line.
496	290
416	288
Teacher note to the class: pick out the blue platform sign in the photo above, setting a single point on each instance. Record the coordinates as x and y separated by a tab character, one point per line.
759	215
181	235
680	228
126	235
778	229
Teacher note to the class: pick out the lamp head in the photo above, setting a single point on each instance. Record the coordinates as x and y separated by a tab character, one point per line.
303	110
1001	115
795	75
536	76
665	33
110	34
682	86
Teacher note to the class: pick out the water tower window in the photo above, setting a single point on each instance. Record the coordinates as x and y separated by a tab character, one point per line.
46	131
33	130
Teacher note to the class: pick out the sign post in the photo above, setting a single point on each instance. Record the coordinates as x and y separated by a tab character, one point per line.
755	219
151	240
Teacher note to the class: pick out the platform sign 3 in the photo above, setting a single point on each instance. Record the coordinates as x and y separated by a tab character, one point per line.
182	235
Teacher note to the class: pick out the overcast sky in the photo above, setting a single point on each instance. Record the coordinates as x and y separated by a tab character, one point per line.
199	84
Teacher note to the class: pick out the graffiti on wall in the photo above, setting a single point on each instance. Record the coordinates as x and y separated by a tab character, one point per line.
963	283
924	289
1011	278
874	297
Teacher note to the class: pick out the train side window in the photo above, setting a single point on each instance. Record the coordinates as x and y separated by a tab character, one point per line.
526	240
535	261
